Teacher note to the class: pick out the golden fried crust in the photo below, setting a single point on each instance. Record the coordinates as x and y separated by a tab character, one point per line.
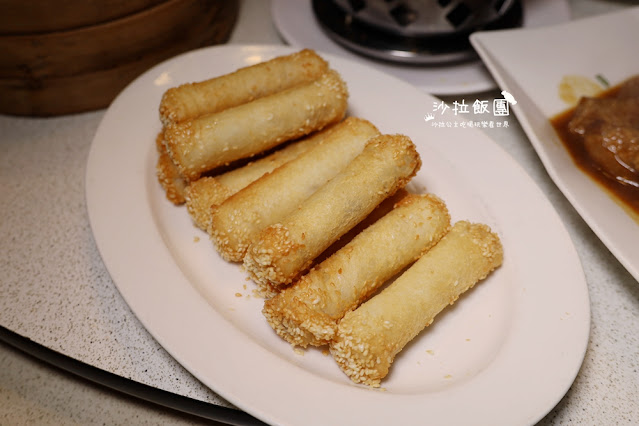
294	318
369	338
206	192
283	251
307	312
204	143
200	195
168	175
241	217
192	100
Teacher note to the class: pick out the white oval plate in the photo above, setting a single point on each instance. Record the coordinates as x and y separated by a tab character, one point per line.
513	58
505	353
296	23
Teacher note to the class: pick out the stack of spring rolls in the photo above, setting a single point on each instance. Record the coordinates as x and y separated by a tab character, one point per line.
268	164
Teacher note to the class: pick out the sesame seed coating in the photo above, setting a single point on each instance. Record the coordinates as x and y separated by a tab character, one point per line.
307	312
237	221
385	165
192	100
369	338
208	191
170	179
215	139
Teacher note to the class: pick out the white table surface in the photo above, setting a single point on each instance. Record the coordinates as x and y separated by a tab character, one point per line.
56	292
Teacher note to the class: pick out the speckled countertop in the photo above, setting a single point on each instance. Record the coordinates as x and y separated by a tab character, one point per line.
56	291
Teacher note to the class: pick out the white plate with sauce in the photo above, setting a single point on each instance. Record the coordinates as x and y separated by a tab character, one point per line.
504	354
531	65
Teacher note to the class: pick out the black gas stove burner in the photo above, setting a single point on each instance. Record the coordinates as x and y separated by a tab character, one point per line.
393	30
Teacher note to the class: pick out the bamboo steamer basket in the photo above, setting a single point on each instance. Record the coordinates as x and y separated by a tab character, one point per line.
84	68
41	16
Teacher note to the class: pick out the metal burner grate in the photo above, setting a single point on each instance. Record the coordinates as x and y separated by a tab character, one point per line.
414	31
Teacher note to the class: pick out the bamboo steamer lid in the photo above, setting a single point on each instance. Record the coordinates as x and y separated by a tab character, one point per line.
84	68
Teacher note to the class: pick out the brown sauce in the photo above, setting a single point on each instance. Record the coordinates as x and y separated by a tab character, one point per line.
627	195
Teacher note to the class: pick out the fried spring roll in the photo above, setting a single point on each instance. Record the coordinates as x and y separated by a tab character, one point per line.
284	250
244	85
216	139
369	338
210	191
307	312
172	181
235	222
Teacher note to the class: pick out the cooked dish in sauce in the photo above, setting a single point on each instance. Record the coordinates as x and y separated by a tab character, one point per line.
602	135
